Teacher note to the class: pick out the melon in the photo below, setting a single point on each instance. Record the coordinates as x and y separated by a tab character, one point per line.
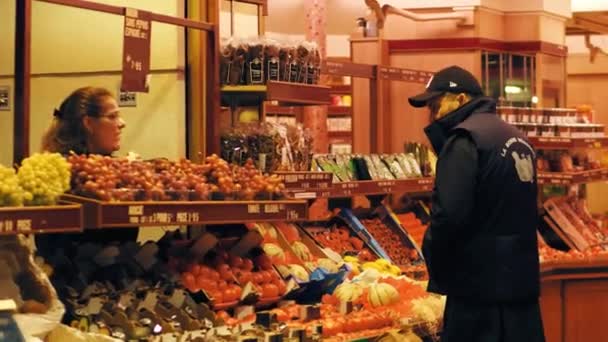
302	251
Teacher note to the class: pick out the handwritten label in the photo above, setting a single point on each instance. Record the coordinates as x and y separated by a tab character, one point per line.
136	51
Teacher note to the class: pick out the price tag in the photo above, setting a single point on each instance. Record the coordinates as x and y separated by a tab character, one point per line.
136	210
271	208
136	50
253	208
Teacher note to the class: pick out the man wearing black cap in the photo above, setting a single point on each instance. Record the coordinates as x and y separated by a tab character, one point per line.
481	248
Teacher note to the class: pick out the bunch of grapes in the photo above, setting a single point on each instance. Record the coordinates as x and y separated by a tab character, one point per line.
253	183
11	193
46	176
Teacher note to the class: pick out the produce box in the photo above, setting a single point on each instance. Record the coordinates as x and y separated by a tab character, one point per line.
383	228
336	235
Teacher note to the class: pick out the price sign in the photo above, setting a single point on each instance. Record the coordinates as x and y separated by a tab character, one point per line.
136	51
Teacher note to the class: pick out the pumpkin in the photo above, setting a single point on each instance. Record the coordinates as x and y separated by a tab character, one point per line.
302	251
382	294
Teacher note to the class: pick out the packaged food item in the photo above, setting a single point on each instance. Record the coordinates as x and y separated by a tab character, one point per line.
381	167
303	58
272	63
254	67
371	168
394	166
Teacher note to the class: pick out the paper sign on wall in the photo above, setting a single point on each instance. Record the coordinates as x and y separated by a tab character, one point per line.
136	51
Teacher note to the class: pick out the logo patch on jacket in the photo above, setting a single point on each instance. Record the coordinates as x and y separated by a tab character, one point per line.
523	156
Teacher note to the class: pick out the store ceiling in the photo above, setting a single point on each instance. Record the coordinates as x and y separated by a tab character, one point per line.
595	22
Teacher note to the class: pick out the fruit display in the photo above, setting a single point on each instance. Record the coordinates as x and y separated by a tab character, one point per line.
398	297
348	168
394	242
121	179
550	255
259	60
272	147
40	180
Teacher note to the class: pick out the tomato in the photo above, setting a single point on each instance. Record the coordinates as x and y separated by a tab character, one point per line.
229	294
238	290
264	262
226	275
188	280
195	269
223	315
281	286
222	285
235	261
266	276
257	278
247	265
213	275
245	278
217	296
282	315
201	282
331	328
270	291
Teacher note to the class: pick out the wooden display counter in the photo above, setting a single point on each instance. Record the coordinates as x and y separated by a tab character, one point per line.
574	301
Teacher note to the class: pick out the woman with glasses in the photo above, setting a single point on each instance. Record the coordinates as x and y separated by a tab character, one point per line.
88	121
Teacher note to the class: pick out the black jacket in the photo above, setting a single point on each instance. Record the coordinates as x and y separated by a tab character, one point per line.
481	243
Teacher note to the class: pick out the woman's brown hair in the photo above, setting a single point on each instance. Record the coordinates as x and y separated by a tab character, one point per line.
67	132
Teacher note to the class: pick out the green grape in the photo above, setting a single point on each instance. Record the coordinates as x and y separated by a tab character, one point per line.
11	193
44	177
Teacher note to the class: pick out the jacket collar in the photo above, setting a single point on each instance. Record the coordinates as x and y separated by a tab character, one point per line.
439	130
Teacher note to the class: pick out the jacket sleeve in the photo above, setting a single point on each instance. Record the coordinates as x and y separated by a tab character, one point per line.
452	206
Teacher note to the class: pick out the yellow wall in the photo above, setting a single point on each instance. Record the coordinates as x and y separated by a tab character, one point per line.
69	42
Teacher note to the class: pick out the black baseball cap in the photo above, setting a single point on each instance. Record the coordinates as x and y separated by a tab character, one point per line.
453	79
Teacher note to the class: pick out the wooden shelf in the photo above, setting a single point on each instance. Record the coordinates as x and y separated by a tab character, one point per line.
61	218
572	178
557	143
340	134
283	92
280	110
100	214
339	111
341	89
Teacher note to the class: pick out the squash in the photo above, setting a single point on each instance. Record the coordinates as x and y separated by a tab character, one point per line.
275	252
382	294
348	292
302	251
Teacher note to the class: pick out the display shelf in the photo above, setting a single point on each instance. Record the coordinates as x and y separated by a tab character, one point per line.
340	134
341	89
348	69
563	143
283	92
573	268
62	218
280	110
99	214
572	178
